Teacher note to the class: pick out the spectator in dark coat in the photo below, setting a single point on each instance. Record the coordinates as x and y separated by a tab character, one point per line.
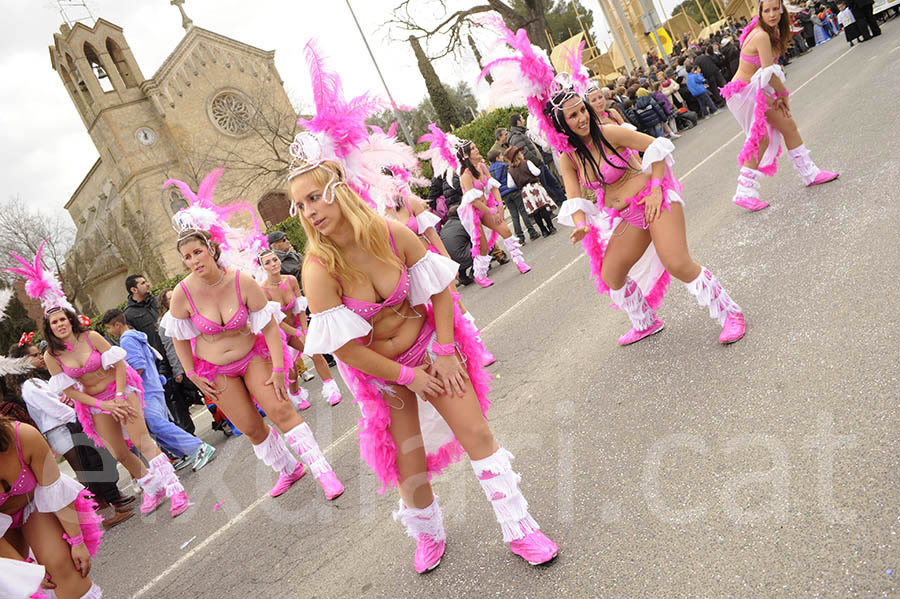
142	313
291	260
713	76
865	20
512	197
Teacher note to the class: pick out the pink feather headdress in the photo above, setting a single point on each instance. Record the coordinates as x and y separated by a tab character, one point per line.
338	133
581	80
203	214
442	152
526	74
40	283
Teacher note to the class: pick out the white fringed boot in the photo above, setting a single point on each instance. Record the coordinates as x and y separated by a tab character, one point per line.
710	293
426	526
301	440
275	454
630	299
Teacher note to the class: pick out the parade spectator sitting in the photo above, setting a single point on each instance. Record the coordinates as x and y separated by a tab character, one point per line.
649	115
697	86
511	196
458	245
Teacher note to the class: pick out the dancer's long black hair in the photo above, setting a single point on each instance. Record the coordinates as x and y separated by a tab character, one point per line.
462	154
557	117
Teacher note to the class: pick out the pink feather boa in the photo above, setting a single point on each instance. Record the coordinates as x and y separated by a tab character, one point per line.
758	130
86	418
376	445
89	521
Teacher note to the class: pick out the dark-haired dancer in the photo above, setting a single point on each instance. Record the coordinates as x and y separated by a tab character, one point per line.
758	99
634	234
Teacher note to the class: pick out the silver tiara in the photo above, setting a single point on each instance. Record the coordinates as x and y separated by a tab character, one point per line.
307	154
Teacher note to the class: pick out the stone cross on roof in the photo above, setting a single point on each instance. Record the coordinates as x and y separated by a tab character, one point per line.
185	21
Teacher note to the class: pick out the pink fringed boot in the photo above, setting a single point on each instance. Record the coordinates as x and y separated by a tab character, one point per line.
747	194
709	292
173	487
480	266
514	249
426	526
630	299
154	490
275	454
501	487
301	440
807	169
330	392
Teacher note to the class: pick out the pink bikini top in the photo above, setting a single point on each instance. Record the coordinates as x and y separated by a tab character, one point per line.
26	482
481	182
287	307
92	364
411	222
752	59
368	310
611	171
208	327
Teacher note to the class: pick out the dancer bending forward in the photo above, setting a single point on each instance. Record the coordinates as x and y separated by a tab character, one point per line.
758	99
634	234
409	344
286	291
227	337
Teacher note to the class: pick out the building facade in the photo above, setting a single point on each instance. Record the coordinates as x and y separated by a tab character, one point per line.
213	102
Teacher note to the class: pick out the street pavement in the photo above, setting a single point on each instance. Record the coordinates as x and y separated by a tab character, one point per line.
675	467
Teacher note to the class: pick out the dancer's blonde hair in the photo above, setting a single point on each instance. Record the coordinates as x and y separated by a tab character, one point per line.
369	228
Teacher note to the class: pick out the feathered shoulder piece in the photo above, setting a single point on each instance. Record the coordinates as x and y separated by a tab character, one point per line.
442	152
525	73
40	283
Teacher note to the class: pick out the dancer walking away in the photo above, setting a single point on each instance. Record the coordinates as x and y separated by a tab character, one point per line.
758	99
286	291
226	335
108	394
415	367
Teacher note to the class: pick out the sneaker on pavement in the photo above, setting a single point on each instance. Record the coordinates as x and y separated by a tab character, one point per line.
182	463
203	456
428	553
533	234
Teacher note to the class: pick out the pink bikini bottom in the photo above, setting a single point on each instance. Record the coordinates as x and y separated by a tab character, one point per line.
634	212
239	367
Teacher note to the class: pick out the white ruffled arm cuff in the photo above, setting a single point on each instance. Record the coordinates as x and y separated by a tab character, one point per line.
331	329
660	149
57	495
493	183
111	356
573	205
628	126
300	305
182	329
470	196
430	275
427	220
533	169
260	318
60	382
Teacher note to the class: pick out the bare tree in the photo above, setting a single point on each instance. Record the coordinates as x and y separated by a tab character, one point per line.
22	230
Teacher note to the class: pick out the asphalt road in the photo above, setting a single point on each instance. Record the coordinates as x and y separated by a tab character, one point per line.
672	468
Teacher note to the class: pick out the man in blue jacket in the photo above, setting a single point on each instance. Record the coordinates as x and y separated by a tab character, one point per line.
142	358
697	86
512	197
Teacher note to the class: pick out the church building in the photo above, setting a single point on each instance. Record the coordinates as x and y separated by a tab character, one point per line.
214	101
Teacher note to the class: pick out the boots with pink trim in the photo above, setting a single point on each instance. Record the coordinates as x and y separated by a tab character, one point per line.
480	265
172	487
514	249
275	454
300	399
301	440
807	169
426	526
330	392
94	592
747	194
501	487
644	320
154	491
709	292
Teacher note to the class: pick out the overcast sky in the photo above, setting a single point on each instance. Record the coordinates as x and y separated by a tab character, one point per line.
47	151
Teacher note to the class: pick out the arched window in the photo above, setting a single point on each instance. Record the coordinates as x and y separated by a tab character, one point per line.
274	208
115	53
99	72
79	79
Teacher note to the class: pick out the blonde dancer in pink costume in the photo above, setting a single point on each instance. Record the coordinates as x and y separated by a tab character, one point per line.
758	99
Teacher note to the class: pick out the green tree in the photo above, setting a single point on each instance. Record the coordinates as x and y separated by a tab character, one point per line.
447	115
15	323
565	19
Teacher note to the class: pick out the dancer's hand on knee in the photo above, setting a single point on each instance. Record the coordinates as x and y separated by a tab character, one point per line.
425	384
451	373
47	584
277	382
82	559
579	233
652	205
205	385
119	410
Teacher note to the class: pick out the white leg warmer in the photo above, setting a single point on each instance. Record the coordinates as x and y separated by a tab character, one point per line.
302	441
480	266
94	592
514	249
428	521
806	168
630	299
329	388
275	454
748	184
165	472
152	483
709	292
501	486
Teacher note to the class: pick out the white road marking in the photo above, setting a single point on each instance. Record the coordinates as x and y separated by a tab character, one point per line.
238	518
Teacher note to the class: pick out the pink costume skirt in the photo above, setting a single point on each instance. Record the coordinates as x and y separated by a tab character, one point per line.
748	103
648	272
376	445
470	218
88	519
133	384
239	367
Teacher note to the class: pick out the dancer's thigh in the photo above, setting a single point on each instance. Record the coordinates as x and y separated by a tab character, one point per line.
279	412
12	545
670	239
111	433
235	401
43	533
784	124
625	247
407	435
463	416
137	430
